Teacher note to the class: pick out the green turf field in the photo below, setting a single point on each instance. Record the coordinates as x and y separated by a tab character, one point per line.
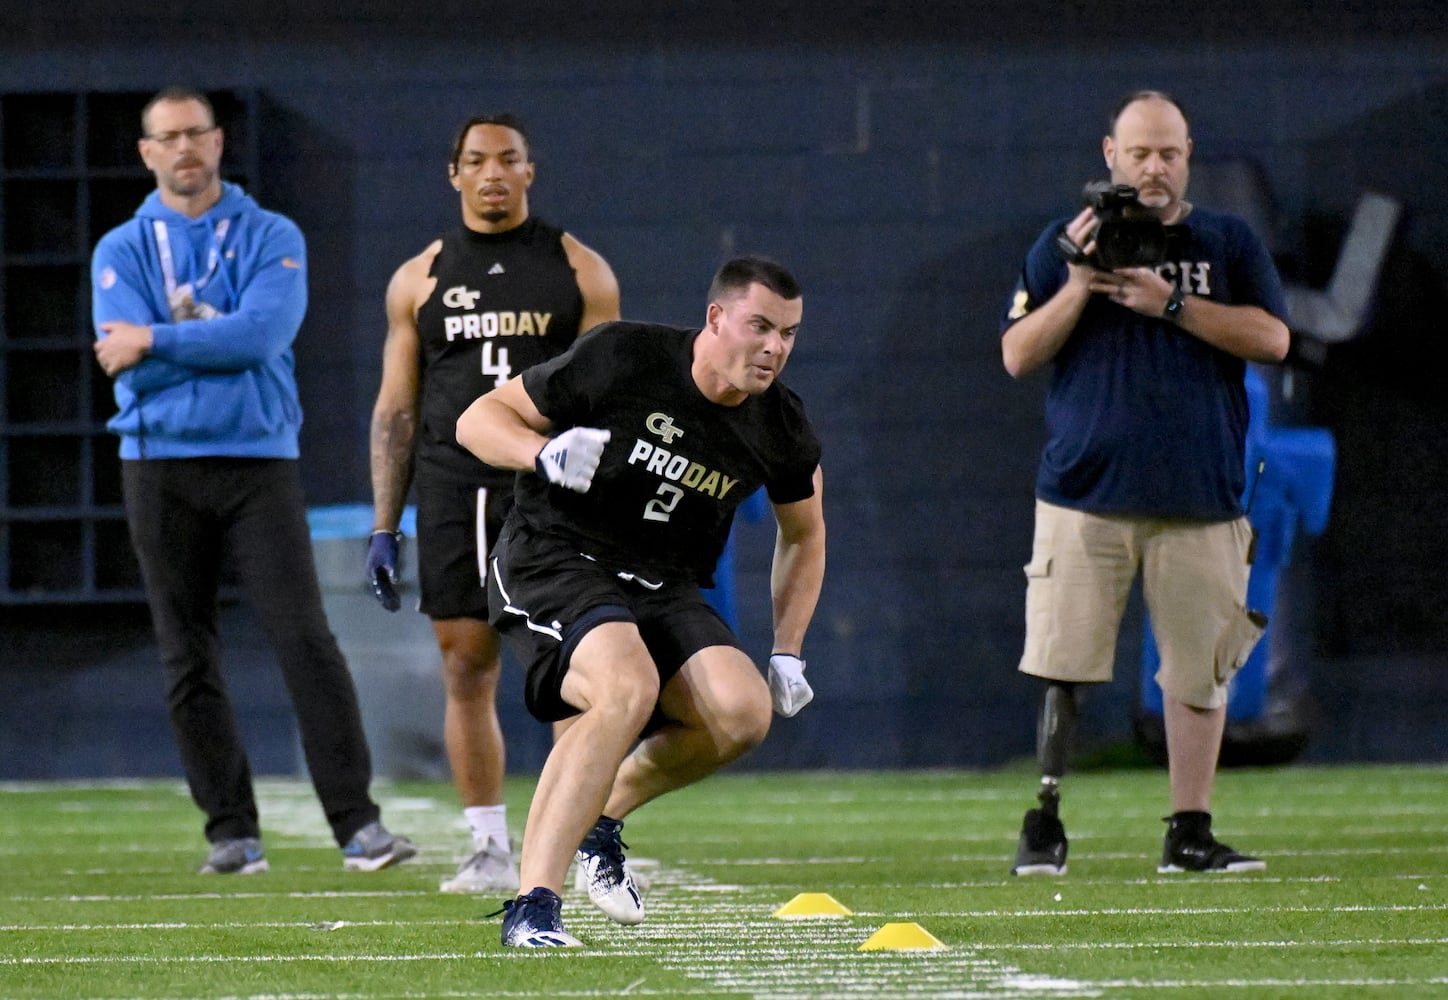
98	899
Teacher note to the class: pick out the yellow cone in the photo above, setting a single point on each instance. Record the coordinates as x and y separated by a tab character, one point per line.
901	937
812	904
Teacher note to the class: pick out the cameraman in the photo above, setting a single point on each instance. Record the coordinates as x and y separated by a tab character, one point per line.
1146	418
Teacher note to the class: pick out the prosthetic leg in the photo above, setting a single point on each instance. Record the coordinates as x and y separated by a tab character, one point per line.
1042	847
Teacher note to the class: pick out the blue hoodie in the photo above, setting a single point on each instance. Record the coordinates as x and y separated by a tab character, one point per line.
219	385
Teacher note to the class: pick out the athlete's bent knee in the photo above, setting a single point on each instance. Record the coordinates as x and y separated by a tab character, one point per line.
627	698
748	728
742	725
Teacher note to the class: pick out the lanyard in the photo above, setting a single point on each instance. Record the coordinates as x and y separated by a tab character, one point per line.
168	263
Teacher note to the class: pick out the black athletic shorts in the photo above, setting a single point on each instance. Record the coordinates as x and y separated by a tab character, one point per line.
453	543
546	596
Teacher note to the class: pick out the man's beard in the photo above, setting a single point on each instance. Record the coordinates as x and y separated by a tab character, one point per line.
186	190
1158	198
493	215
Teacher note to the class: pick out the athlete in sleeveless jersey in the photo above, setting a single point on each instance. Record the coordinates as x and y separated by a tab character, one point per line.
501	292
500	303
641	456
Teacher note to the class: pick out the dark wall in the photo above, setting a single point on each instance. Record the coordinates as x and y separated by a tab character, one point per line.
900	158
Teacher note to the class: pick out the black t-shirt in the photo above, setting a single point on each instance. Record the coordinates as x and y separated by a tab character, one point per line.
676	465
503	302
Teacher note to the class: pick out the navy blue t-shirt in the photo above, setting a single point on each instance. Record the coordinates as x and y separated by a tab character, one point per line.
1142	418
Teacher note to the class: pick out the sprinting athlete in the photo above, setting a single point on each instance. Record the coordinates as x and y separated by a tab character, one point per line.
644	439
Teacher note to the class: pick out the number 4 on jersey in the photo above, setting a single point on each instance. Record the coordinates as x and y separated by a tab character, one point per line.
495	363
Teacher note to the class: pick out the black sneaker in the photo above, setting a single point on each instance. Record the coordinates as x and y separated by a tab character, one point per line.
1190	847
1042	848
536	921
604	874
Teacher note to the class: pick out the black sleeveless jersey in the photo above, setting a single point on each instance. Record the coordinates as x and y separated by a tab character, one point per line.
676	464
503	302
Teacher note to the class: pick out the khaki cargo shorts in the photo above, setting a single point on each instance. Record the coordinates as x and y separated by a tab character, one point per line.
1194	579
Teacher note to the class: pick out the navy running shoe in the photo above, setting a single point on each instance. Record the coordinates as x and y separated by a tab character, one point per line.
535	920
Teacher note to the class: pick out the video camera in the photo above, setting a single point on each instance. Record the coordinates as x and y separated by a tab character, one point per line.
1129	235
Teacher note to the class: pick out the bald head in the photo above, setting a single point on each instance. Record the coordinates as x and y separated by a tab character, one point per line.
1149	147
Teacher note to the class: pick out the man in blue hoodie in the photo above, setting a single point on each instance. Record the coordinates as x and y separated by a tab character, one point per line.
196	303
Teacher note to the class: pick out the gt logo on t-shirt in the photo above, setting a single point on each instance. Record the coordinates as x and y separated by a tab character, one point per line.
663	425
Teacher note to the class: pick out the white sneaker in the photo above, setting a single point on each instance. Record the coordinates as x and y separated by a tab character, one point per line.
493	869
605	876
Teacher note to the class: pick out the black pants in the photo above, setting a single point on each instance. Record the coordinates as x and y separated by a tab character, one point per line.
185	516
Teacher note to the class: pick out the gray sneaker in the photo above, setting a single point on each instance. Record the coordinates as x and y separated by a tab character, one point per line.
490	870
372	848
238	856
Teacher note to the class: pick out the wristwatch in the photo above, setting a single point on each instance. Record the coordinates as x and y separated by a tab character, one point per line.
1173	310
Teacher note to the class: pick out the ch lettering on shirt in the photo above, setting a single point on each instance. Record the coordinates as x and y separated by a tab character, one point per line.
680	469
1193	276
490	324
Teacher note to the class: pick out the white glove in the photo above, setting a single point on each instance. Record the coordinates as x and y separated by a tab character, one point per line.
571	459
787	687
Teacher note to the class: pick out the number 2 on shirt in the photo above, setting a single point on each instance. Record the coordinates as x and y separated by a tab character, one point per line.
659	508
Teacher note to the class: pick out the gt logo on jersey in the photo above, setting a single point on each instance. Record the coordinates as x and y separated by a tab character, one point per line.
663	425
460	297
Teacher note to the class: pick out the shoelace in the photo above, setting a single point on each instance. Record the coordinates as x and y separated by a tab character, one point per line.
509	905
611	847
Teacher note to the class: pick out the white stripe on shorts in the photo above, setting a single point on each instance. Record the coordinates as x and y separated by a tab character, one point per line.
480	529
510	609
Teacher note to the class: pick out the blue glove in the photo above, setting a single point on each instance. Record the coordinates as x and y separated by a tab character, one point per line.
382	567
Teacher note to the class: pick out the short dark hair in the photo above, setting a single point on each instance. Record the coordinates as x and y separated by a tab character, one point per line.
504	118
736	275
1145	95
177	94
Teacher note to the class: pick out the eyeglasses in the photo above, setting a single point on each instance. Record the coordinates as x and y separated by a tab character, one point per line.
169	139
